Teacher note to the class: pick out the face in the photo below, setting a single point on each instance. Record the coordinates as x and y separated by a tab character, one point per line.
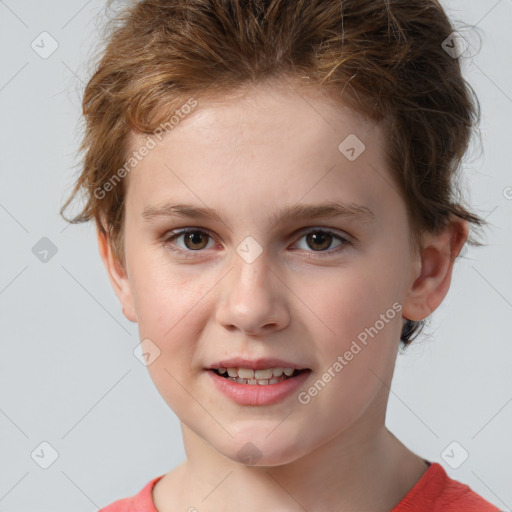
317	292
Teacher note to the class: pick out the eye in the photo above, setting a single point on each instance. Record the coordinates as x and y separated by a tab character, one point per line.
321	239
195	240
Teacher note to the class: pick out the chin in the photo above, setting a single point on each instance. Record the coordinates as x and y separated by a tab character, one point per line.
250	451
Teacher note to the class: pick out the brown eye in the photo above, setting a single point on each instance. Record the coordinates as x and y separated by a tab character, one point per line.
195	240
321	239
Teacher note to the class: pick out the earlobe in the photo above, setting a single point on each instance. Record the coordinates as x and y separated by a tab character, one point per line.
438	254
117	276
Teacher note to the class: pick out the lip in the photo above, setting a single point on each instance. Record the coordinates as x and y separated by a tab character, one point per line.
255	394
255	364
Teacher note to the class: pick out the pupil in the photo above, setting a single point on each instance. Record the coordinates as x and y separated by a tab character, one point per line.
320	237
192	238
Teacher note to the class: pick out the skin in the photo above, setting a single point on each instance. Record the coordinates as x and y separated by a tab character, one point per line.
245	155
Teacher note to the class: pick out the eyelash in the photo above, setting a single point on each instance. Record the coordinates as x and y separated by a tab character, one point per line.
172	235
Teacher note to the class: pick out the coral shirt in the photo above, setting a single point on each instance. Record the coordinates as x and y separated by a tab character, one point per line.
435	491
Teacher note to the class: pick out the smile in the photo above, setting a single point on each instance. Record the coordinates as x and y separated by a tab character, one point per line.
256	391
257	377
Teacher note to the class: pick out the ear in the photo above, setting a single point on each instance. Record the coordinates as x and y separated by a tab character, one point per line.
432	282
117	276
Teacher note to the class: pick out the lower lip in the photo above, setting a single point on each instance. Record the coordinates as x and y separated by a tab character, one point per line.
258	394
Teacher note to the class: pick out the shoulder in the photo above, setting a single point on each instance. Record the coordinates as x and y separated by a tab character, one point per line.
437	492
140	502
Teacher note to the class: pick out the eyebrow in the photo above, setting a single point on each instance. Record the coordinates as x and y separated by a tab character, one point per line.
299	211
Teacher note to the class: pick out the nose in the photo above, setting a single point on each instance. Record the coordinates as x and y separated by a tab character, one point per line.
252	298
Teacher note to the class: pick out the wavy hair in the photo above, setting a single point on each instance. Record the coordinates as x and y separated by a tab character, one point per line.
384	58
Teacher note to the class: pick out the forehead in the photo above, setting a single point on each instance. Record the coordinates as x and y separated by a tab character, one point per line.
274	143
277	111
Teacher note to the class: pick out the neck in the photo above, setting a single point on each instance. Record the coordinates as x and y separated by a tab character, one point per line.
365	468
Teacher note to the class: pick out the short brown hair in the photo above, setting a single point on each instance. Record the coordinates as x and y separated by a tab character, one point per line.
383	58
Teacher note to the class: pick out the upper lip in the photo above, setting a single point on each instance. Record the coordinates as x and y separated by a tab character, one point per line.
255	364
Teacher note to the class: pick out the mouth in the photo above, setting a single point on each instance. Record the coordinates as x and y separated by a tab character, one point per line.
262	377
257	382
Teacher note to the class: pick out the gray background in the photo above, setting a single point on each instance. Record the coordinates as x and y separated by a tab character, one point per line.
68	375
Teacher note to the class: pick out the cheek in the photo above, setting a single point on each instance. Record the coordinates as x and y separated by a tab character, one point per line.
169	311
166	305
356	342
346	301
162	293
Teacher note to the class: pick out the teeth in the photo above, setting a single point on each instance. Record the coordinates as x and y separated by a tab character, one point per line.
245	373
264	374
256	375
259	382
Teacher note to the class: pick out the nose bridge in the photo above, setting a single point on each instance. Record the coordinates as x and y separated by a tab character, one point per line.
249	299
251	274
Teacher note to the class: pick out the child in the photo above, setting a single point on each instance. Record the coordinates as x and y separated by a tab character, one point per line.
265	129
